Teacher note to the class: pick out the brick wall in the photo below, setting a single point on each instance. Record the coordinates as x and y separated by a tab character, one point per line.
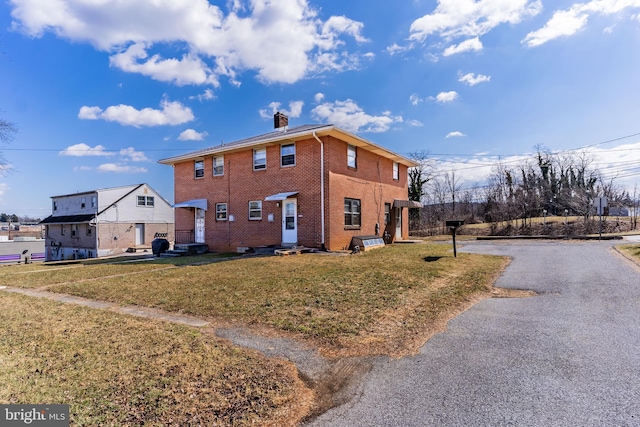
372	182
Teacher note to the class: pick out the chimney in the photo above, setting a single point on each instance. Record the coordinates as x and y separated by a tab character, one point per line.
280	120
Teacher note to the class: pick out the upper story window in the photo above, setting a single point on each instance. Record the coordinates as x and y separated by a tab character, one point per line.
351	156
62	229
259	159
74	230
288	155
55	205
146	201
351	213
83	202
89	230
255	209
198	168
94	201
218	166
221	211
396	170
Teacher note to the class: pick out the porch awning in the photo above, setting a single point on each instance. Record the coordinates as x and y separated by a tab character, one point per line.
195	203
406	204
280	196
68	219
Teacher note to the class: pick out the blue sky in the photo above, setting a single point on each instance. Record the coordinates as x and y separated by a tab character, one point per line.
101	90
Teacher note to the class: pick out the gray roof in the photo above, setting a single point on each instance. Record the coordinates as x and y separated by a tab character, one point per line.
291	134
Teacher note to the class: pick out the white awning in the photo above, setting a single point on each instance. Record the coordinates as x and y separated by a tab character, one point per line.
406	204
195	203
280	196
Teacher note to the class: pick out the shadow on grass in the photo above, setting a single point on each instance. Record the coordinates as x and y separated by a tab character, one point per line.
432	258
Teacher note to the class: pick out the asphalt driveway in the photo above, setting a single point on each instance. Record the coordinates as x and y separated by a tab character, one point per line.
568	357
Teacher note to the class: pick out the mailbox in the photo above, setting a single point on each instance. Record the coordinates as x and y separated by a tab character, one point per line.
454	223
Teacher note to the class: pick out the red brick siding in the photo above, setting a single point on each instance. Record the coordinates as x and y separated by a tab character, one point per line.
371	181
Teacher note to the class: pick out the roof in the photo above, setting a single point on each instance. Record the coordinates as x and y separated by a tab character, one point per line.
124	188
292	134
68	219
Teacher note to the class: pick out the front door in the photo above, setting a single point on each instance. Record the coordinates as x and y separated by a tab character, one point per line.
398	223
290	221
199	237
139	234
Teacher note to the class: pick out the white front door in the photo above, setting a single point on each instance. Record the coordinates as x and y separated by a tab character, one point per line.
398	223
139	234
199	237
290	221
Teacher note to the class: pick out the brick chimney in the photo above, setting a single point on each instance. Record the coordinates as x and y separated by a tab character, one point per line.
280	120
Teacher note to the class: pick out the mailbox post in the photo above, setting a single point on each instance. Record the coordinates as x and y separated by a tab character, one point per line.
453	227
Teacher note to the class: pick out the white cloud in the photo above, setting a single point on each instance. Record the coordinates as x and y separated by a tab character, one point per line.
453	19
83	150
206	96
281	41
414	99
455	134
190	69
569	21
82	168
172	113
295	109
133	155
444	97
470	45
4	187
415	123
471	79
192	135
318	97
349	116
113	167
396	48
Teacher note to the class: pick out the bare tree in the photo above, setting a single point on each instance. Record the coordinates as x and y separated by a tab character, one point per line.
453	186
7	130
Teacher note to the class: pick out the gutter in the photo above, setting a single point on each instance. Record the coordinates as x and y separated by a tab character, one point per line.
321	186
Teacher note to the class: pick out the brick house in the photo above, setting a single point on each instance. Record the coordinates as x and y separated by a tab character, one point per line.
104	222
311	185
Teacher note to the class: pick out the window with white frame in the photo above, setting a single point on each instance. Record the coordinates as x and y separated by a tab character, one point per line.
259	159
221	211
83	202
146	201
218	166
255	209
351	156
351	213
288	155
387	213
396	171
94	201
198	168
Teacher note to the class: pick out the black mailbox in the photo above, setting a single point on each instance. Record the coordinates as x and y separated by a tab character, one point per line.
454	223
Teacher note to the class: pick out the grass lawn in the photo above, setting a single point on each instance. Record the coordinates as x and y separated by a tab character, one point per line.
118	370
378	302
631	251
41	274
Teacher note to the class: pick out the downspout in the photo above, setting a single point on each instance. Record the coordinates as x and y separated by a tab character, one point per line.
321	187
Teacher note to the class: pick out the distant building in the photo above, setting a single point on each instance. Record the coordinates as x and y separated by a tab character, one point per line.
105	222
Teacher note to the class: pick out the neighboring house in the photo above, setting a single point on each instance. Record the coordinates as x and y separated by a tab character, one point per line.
104	222
311	185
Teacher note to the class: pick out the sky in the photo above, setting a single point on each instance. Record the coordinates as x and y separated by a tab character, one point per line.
100	90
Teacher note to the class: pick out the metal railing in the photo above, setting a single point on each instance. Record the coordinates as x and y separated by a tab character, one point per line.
184	236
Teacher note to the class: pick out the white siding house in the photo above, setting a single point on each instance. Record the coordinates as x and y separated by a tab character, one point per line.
106	222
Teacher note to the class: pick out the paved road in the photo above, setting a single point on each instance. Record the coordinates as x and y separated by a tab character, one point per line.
568	357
